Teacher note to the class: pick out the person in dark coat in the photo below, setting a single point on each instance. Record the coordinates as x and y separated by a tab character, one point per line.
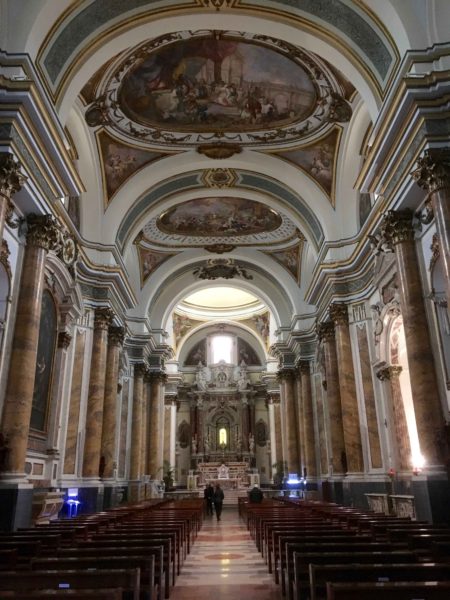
218	500
255	494
208	495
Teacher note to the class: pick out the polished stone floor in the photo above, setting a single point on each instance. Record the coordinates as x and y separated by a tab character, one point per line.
225	565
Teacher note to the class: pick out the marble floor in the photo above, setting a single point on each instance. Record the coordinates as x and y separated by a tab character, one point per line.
224	565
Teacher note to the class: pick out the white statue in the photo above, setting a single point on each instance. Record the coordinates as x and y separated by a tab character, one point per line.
206	444
251	443
240	377
223	472
194	445
203	377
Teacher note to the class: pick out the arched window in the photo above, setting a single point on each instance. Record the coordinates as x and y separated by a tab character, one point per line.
44	363
222	348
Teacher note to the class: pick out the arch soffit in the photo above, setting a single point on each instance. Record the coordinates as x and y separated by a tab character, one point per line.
69	58
233	327
181	283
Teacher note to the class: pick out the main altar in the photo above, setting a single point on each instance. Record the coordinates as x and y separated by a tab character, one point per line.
233	475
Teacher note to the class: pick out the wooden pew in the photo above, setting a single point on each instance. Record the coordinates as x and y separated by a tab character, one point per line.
402	590
8	559
287	573
23	581
302	560
101	594
319	575
146	564
123	547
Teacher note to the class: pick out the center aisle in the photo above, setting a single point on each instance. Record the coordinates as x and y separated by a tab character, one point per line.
224	564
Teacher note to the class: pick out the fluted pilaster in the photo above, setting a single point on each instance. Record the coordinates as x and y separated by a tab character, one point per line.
325	332
397	231
108	446
96	393
42	235
347	387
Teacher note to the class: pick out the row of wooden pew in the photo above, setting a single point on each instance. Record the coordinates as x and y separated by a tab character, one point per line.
132	552
318	550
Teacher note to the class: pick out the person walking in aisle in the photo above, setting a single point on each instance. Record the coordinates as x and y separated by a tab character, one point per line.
209	499
218	500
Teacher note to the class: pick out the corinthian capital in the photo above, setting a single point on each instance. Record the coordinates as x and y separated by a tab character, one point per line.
390	372
116	336
396	227
433	169
286	375
325	330
43	231
11	179
103	318
304	367
339	313
140	369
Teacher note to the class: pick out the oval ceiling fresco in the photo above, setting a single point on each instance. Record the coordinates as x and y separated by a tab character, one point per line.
200	88
219	216
213	83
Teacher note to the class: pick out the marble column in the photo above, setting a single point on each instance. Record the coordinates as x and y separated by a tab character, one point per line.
397	233
338	458
11	181
287	377
278	431
96	393
42	236
433	175
347	388
108	446
391	375
299	409
136	422
156	399
308	419
167	418
245	422
71	446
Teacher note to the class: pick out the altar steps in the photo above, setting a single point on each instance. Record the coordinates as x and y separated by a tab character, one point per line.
231	497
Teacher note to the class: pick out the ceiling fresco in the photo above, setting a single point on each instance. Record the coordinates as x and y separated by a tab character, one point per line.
218	222
290	259
197	88
219	216
150	260
119	162
318	160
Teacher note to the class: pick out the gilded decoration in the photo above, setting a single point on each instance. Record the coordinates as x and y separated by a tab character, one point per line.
43	231
218	91
150	260
11	179
389	372
318	160
4	257
120	162
221	268
396	227
220	216
433	169
219	178
290	259
220	248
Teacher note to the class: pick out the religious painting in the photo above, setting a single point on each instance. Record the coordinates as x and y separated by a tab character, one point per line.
120	162
261	433
196	355
219	216
246	353
290	258
150	260
216	83
184	434
44	362
318	160
181	325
